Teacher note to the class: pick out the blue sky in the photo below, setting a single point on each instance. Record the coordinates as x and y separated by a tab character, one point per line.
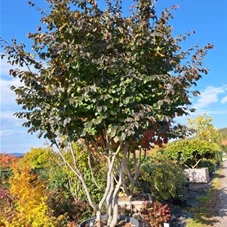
207	18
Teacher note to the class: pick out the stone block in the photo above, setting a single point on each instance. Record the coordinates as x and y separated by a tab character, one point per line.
198	175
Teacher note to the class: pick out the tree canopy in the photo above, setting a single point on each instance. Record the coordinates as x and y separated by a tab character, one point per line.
100	72
203	128
191	151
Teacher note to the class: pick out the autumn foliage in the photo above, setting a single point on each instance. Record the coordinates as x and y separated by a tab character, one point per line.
28	207
6	160
155	213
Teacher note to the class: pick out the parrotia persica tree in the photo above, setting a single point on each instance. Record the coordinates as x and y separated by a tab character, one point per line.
114	79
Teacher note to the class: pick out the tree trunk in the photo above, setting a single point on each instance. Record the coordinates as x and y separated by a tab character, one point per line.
115	196
98	215
115	213
109	199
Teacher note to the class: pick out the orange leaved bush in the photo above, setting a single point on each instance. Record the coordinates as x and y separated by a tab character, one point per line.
7	160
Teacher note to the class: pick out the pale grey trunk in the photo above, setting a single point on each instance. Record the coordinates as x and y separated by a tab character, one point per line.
98	215
109	200
111	191
108	195
137	161
115	213
78	173
115	198
117	188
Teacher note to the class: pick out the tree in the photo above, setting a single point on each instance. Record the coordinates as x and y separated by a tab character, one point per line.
37	158
111	81
6	162
223	132
203	128
191	151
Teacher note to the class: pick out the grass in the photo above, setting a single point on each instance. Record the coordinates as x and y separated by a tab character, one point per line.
204	214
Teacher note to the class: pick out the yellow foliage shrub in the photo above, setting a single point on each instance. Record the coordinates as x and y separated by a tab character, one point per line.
30	208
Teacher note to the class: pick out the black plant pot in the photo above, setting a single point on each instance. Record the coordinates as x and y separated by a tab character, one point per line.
91	221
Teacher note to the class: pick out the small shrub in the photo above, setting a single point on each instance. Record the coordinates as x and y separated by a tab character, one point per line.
64	205
218	157
155	213
164	178
29	206
209	163
151	213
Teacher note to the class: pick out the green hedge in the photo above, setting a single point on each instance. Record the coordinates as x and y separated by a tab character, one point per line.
190	151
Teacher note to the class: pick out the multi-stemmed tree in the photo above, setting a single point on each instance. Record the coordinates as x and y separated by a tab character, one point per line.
111	80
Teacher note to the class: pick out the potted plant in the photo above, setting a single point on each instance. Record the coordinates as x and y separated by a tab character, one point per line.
103	78
123	219
192	153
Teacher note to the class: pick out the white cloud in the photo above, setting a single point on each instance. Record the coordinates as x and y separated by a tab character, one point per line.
4	133
4	67
10	124
224	100
9	116
6	81
209	112
217	112
209	96
7	95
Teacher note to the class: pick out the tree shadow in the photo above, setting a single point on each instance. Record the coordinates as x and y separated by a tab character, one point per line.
216	175
210	208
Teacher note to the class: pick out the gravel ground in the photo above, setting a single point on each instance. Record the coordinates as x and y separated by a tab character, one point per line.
222	217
